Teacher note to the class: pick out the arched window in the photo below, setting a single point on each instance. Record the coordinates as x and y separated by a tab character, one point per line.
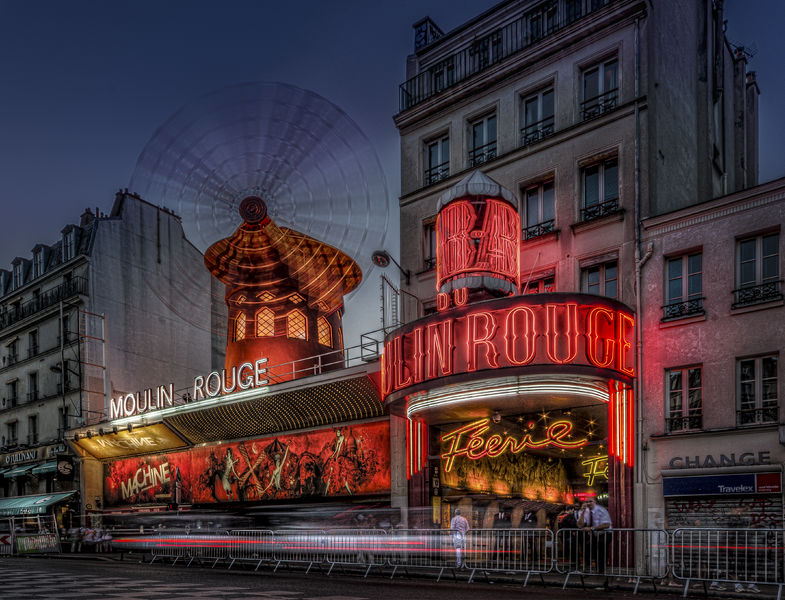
265	323
296	325
325	331
239	327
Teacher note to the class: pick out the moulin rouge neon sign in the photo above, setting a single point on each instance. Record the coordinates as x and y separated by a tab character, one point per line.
522	331
470	442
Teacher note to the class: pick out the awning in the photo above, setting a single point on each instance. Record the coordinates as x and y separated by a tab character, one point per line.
17	471
47	467
31	505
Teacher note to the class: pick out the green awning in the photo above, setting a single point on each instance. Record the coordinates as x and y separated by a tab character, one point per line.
47	467
31	505
17	471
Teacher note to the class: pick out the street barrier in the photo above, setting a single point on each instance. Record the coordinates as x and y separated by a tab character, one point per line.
747	557
209	547
252	545
524	551
307	546
427	549
357	547
174	546
634	554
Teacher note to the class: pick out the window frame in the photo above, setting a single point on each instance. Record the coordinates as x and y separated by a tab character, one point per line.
543	283
542	226
602	283
291	315
544	126
606	99
487	150
38	263
759	289
433	173
759	411
688	420
69	245
688	303
606	203
264	311
429	242
323	325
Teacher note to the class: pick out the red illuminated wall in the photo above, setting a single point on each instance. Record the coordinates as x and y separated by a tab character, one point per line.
341	461
575	332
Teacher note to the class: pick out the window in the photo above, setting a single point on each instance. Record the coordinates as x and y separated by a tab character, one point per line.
18	279
756	389
540	215
69	244
266	297
600	183
32	343
38	263
683	287
758	270
600	89
239	327
265	323
13	352
11	433
537	116
541	21
429	245
443	74
685	399
543	285
296	325
324	331
486	51
32	387
32	429
12	390
483	141
437	160
296	299
601	279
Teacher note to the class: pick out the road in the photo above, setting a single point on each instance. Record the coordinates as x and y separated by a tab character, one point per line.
28	578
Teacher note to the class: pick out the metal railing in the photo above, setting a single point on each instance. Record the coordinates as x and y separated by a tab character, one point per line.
753	416
539	229
77	285
692	421
252	545
357	547
601	209
437	173
600	104
535	132
688	308
482	154
756	294
483	53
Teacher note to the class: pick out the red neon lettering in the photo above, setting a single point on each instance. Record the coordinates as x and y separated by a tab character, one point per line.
500	239
456	248
625	322
401	372
460	296
439	346
481	327
593	336
442	301
387	369
468	441
418	355
520	331
570	332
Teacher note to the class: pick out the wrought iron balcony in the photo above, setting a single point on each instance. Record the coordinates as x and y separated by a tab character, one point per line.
482	154
537	131
32	351
756	294
599	105
691	422
32	396
429	263
539	229
437	173
752	416
678	310
77	285
527	30
596	211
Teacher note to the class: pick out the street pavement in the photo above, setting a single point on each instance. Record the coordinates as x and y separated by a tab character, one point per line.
64	577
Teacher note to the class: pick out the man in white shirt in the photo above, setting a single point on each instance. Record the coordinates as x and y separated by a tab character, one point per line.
459	527
596	522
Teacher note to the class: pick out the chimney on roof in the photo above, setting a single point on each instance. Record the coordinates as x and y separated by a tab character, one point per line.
87	217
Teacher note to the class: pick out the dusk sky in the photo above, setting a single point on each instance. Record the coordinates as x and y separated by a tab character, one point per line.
86	84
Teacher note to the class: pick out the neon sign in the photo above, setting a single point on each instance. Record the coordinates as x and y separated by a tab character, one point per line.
469	441
594	468
246	376
519	332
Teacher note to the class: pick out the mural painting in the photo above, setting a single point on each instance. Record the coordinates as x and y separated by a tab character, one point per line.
338	461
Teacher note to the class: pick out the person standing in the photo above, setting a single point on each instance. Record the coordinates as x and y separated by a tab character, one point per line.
459	527
595	521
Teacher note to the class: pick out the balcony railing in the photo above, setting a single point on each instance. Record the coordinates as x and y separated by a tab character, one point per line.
756	294
437	173
32	351
13	358
429	264
489	50
599	105
77	285
13	401
482	154
691	422
678	310
752	416
32	396
539	229
537	131
596	211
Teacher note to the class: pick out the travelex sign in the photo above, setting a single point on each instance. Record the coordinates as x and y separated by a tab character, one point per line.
561	330
247	375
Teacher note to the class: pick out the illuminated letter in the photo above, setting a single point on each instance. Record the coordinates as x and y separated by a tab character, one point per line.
116	408
480	335
387	382
460	296
418	355
593	336
198	387
134	403
476	428
455	247
624	344
439	348
244	382
229	390
442	301
213	384
552	333
260	372
165	398
499	245
401	373
519	325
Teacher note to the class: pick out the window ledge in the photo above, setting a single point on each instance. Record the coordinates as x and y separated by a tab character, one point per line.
740	310
736	429
685	320
614	217
541	239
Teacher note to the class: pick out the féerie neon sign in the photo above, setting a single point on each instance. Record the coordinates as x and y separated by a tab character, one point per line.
470	442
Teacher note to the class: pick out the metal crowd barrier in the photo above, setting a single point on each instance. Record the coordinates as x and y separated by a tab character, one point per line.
173	546
426	548
735	556
528	551
357	547
305	546
252	545
209	547
634	554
